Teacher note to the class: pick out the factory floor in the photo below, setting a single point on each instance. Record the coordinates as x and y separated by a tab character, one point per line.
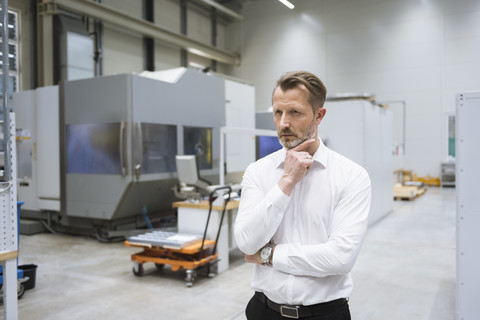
406	270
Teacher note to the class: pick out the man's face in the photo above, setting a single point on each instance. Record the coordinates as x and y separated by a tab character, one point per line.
293	116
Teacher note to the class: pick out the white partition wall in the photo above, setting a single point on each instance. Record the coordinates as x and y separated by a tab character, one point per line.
468	206
38	148
362	131
239	113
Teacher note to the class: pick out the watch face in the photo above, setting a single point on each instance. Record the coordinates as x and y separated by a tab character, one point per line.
265	254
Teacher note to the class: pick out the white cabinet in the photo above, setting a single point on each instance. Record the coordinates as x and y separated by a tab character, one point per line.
363	132
239	113
468	206
38	148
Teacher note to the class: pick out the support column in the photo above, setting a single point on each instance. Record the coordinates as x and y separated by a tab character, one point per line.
183	31
45	43
98	43
213	30
148	42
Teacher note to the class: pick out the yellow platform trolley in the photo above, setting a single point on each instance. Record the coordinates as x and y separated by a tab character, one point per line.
179	251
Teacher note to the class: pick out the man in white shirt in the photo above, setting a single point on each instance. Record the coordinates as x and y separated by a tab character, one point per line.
303	213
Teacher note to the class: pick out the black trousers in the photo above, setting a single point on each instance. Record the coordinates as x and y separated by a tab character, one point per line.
257	310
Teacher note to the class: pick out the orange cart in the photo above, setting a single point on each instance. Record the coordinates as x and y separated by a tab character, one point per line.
201	252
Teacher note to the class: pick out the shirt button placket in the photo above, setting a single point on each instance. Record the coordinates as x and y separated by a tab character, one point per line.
296	212
296	235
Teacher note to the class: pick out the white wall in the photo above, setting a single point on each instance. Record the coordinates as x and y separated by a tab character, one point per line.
167	15
419	51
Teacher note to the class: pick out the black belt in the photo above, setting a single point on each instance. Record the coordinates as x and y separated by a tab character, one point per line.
296	312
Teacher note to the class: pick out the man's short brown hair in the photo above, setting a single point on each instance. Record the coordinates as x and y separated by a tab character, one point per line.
315	87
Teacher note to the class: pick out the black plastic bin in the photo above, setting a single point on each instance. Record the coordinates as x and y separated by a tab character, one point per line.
29	271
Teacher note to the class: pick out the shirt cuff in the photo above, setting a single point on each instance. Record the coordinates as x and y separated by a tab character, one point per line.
280	257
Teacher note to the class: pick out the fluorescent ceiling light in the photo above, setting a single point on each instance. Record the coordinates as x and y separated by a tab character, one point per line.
196	65
196	51
287	3
224	9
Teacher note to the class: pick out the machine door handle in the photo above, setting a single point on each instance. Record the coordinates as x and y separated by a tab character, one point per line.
138	149
123	131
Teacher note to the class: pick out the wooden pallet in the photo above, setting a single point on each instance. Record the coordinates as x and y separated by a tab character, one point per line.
430	181
409	193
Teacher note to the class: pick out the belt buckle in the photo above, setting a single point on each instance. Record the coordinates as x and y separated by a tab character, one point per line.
289	312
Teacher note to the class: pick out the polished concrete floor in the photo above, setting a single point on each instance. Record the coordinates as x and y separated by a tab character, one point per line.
406	270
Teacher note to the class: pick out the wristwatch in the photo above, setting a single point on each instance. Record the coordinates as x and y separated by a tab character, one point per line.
266	254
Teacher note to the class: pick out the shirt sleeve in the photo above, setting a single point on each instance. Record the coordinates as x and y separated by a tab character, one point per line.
259	214
338	254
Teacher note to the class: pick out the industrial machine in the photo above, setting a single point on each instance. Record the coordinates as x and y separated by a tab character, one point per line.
98	155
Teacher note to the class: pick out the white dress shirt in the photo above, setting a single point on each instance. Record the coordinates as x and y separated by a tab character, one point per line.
318	230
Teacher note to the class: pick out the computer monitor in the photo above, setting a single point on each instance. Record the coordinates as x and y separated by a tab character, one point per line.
187	172
266	145
187	169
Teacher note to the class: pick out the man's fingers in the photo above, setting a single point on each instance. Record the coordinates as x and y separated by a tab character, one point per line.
304	145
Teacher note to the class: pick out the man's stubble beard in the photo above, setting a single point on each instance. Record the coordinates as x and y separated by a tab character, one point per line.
309	133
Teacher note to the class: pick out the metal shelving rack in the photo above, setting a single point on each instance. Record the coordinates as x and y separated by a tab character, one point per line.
8	228
8	185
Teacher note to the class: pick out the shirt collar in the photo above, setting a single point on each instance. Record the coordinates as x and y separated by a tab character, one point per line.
319	156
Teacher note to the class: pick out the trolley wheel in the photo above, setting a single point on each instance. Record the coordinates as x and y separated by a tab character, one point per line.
138	269
190	277
212	269
159	266
20	290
